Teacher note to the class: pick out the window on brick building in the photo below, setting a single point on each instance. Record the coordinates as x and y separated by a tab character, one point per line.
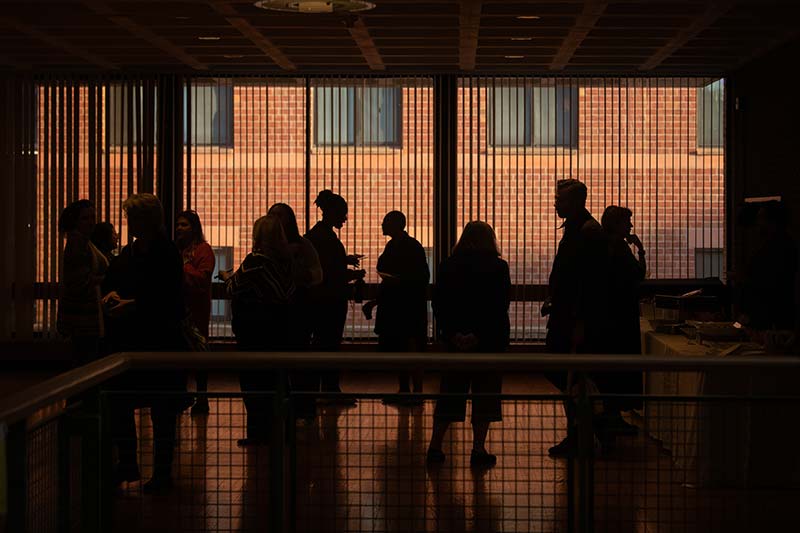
708	262
710	113
211	119
538	116
125	102
364	116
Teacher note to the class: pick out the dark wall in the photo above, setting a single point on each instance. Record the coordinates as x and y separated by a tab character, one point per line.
764	130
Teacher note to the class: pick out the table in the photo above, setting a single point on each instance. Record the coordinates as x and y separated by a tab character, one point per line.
739	441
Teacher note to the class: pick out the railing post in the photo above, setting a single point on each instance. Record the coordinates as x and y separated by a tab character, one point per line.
584	458
279	519
17	471
64	430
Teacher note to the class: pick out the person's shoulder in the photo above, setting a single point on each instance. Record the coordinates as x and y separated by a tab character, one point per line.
204	248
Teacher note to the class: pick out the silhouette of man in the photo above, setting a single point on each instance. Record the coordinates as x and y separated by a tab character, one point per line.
577	285
402	318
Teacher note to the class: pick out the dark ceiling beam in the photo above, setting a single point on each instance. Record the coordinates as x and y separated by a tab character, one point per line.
360	34
592	11
700	23
771	45
250	32
57	42
101	8
469	25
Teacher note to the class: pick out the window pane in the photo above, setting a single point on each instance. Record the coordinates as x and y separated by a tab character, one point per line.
710	102
335	115
510	117
555	116
380	123
211	115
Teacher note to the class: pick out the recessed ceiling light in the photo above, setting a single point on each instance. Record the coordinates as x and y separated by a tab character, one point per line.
514	57
315	6
521	38
209	38
528	17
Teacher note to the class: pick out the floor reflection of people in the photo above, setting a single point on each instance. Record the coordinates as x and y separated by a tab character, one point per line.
402	475
321	490
487	511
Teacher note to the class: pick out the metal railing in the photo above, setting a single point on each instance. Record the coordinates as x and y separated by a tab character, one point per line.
699	463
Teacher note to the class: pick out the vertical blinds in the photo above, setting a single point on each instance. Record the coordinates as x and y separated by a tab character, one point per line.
229	147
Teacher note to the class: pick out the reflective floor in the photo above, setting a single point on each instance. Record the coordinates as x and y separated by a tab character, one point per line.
363	469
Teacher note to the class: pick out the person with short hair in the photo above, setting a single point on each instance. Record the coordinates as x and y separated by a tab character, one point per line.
83	267
198	267
577	293
470	302
402	319
106	239
624	335
144	301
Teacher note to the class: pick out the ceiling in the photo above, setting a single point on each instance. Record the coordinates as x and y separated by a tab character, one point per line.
397	36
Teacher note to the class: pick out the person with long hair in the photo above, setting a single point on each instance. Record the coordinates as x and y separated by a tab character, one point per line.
144	299
261	291
80	315
306	274
329	298
470	302
198	267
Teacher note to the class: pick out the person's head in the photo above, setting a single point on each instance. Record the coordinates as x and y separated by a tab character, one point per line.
285	214
477	237
771	219
145	215
393	224
105	237
77	216
269	237
334	208
570	198
616	220
188	229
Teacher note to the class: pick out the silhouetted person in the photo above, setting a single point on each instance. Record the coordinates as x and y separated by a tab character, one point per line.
144	298
306	273
329	299
106	239
577	298
626	272
470	302
261	291
198	267
768	285
402	319
80	314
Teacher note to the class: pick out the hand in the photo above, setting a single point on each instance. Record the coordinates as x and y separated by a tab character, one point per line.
225	275
547	306
359	274
367	309
634	240
121	308
354	259
111	299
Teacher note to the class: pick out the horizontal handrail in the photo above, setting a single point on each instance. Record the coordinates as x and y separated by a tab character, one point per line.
23	404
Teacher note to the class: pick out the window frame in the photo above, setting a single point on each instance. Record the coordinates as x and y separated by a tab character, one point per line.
358	118
530	140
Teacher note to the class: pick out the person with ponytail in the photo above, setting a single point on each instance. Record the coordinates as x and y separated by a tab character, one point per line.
329	298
